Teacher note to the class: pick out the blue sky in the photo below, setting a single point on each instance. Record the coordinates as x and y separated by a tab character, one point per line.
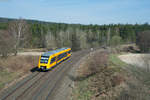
78	11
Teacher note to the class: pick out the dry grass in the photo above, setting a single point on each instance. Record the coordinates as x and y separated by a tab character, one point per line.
19	63
100	78
14	67
104	76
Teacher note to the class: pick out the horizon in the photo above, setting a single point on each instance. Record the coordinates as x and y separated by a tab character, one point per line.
78	12
75	23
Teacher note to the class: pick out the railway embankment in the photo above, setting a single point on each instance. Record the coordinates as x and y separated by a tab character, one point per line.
15	68
104	76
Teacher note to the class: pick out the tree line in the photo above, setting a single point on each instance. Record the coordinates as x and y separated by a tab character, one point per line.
22	33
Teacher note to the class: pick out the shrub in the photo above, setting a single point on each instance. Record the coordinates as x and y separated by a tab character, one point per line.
116	40
94	64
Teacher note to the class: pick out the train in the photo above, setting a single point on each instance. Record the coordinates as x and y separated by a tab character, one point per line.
52	58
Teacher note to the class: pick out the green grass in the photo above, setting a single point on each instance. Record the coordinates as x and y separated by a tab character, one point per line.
141	74
82	91
115	61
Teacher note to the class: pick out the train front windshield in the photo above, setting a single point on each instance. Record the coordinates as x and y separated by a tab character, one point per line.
44	59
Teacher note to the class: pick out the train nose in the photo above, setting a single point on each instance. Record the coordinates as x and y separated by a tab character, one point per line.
43	67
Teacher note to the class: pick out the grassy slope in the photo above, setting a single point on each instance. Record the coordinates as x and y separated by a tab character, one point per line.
6	77
13	67
83	90
133	83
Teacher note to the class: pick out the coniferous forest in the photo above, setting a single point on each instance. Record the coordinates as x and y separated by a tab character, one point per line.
56	35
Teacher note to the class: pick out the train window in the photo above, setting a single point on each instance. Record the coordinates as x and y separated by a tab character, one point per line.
44	59
66	54
69	51
53	59
62	55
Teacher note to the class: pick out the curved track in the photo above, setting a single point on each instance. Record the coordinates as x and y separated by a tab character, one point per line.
41	85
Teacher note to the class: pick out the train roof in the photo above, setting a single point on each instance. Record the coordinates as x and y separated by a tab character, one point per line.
49	53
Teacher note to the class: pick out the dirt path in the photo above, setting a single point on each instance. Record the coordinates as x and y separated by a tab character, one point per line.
30	53
140	60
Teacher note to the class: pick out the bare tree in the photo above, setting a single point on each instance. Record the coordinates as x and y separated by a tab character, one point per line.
6	43
83	40
19	29
143	41
108	37
50	41
61	39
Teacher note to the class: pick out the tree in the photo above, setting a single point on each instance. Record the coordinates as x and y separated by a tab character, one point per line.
50	41
83	40
143	41
6	43
75	41
108	37
116	40
68	34
19	29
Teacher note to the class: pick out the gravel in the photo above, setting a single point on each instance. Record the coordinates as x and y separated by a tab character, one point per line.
139	60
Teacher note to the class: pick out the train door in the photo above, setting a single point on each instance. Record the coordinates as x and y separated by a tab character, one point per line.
53	61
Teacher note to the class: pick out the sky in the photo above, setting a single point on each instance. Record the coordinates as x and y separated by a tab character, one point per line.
79	11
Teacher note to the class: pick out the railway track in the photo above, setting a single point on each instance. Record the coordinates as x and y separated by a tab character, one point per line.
41	85
19	86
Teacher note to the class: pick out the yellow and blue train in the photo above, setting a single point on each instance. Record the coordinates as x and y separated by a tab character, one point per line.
51	58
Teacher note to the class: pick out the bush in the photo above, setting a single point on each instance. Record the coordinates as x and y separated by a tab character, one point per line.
94	64
116	40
